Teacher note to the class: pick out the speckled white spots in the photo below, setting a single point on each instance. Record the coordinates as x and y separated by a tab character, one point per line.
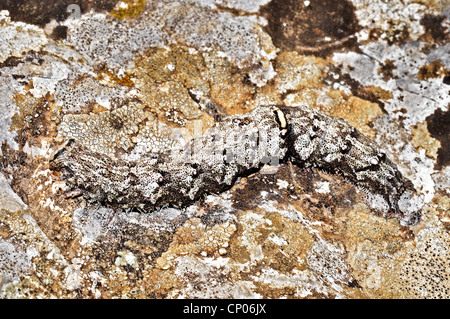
74	94
14	262
130	127
328	262
391	17
278	240
322	187
126	258
73	275
282	184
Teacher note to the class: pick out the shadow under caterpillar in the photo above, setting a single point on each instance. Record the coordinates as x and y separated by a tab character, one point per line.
237	146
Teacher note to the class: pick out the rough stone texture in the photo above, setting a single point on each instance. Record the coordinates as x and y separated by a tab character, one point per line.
131	77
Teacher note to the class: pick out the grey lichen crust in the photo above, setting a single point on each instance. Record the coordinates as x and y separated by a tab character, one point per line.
237	146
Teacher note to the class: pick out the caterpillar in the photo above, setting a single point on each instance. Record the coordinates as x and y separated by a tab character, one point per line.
237	146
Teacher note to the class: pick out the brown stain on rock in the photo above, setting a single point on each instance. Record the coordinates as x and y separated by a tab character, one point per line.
435	69
434	30
318	28
438	126
42	12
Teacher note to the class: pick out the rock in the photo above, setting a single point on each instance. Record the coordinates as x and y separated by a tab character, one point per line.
132	78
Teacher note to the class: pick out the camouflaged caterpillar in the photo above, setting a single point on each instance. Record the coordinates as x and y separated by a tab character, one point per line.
237	146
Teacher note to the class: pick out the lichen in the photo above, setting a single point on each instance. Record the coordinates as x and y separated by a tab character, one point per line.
128	9
162	23
412	98
136	77
117	131
18	38
391	18
196	239
422	139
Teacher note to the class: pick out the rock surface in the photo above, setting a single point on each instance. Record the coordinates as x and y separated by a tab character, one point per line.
130	77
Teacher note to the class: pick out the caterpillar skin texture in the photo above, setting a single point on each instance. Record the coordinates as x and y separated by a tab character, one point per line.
237	146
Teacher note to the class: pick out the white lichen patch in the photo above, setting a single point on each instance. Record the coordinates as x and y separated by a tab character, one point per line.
415	165
391	17
172	22
138	80
323	187
412	99
304	283
282	184
126	258
202	278
242	5
75	94
18	38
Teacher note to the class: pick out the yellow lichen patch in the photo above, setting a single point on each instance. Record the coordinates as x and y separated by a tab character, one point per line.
172	101
287	245
200	77
304	98
358	112
265	95
422	139
272	240
363	225
106	77
435	69
443	209
437	4
166	78
175	64
253	230
36	119
229	87
386	265
157	283
195	238
287	258
31	252
295	71
374	247
128	9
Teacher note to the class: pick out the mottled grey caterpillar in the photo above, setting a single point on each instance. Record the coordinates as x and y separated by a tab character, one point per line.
237	146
